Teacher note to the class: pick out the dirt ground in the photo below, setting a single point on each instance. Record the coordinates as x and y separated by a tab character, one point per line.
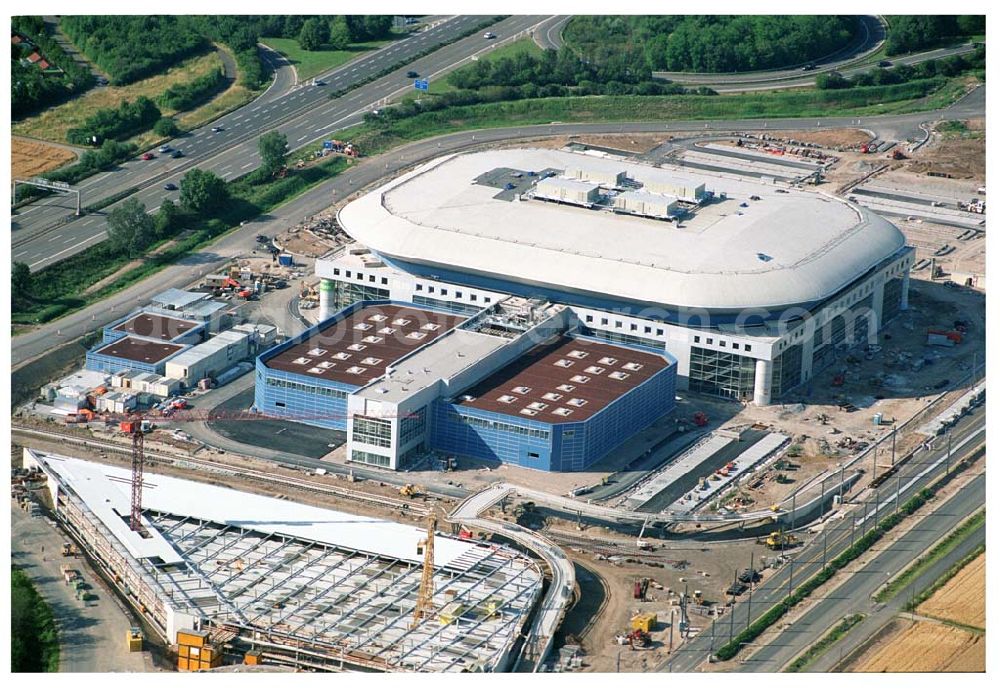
956	154
963	598
925	647
832	138
29	158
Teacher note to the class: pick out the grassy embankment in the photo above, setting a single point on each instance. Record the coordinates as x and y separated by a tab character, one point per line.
375	137
512	49
939	551
52	124
309	63
820	647
34	641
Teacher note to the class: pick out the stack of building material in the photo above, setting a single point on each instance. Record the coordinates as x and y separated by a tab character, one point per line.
194	652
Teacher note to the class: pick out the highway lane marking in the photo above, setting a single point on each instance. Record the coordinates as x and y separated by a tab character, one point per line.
246	166
19	254
32	265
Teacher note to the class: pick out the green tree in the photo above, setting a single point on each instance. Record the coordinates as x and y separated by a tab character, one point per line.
340	35
202	191
314	34
165	126
167	219
272	147
20	281
130	228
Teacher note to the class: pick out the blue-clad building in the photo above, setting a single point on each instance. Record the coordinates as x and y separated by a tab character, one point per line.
513	383
558	408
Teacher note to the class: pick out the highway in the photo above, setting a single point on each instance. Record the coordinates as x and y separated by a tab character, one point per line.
241	241
46	231
836	536
856	594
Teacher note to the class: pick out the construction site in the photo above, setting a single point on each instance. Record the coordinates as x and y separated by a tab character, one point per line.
304	587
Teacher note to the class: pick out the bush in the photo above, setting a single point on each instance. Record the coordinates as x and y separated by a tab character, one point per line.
127	119
186	96
165	126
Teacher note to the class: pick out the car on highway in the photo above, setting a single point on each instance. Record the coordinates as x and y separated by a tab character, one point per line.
148	156
164	148
318	82
412	75
177	154
809	67
216	129
263	239
170	186
885	63
489	35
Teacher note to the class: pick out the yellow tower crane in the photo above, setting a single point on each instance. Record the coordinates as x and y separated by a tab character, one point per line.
425	595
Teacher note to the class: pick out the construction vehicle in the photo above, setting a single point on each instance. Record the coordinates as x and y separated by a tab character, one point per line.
639	589
779	540
411	491
737	588
749	576
636	638
640	543
425	594
68	550
700	418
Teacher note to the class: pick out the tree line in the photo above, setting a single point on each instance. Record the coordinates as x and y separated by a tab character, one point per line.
553	74
950	66
908	33
709	43
132	47
30	89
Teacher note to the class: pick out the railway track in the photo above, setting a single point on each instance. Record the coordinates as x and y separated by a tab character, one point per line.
213	465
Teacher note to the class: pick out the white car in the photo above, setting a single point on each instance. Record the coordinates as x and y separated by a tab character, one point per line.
489	34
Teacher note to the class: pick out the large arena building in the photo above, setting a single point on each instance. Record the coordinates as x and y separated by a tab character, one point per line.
751	285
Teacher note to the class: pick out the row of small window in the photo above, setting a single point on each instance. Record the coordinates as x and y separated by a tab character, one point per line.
476	422
722	343
634	327
310	389
360	276
369	458
458	293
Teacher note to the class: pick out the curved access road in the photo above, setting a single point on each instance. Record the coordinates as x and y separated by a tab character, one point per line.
46	231
548	34
241	241
557	600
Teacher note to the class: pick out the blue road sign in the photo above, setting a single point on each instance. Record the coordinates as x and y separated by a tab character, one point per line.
421	84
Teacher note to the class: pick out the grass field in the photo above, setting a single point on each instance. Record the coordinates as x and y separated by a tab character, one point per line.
309	63
512	49
53	123
29	158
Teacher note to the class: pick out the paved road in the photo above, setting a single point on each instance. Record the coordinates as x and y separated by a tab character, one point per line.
239	242
548	34
45	232
92	636
557	599
855	594
809	560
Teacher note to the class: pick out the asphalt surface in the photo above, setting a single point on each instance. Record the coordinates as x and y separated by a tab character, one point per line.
548	34
808	560
855	594
46	231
